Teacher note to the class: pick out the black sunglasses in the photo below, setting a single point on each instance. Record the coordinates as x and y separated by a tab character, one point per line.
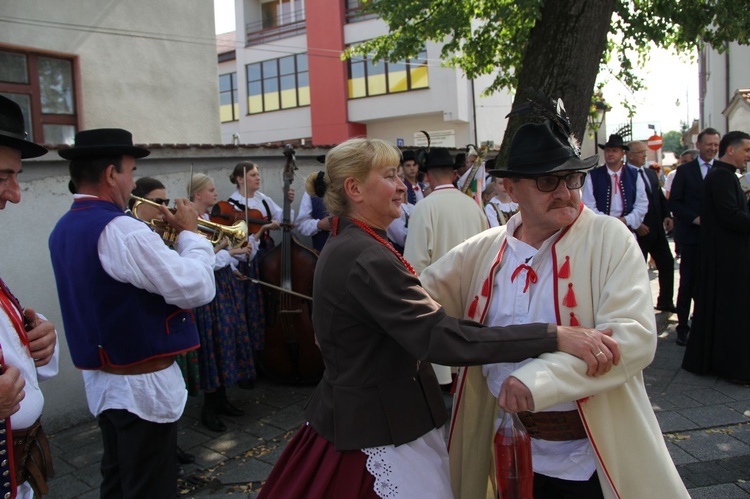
165	202
549	183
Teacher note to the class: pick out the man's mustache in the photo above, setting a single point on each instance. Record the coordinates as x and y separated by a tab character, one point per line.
562	204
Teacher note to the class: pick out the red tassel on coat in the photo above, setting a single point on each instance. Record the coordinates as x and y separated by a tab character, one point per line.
564	272
486	287
573	320
570	297
473	307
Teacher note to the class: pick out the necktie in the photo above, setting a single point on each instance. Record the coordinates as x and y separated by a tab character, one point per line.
645	180
616	187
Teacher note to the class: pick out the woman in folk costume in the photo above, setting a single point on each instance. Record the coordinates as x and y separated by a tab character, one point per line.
246	178
375	421
226	353
556	261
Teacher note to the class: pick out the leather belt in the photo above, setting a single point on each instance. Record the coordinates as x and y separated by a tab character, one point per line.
33	461
553	425
145	367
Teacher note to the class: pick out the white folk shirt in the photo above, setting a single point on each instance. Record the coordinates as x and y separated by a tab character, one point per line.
17	355
131	252
568	460
634	219
256	203
492	216
305	223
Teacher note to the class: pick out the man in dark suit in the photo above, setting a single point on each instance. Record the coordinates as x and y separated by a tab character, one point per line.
685	203
652	237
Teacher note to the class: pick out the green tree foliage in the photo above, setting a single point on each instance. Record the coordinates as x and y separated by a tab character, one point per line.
482	36
673	142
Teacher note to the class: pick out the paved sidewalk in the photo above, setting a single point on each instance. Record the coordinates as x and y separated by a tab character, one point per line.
705	421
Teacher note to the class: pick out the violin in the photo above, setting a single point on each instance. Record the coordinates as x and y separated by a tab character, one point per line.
224	213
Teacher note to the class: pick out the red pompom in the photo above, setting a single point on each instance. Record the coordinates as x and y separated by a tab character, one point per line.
570	297
573	320
473	307
564	272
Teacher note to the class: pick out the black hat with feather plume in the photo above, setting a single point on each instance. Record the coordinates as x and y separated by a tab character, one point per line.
540	148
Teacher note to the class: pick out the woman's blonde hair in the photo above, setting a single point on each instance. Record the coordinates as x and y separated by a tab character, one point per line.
354	158
199	182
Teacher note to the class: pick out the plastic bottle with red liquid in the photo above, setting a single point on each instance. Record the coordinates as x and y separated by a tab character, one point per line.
513	470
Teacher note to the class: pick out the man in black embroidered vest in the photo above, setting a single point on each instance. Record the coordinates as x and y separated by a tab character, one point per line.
125	300
652	236
685	202
614	188
28	343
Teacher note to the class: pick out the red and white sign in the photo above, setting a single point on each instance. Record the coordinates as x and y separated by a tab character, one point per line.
654	142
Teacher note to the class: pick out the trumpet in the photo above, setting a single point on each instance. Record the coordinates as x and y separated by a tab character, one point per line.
215	233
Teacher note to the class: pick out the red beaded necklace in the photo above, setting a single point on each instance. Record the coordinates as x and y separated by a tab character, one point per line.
385	243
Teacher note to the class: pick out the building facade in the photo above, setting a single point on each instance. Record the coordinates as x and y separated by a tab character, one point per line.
283	80
722	75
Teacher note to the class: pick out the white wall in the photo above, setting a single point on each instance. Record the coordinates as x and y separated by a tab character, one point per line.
146	66
716	98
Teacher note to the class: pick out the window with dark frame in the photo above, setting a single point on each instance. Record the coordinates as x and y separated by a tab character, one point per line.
229	104
43	85
367	78
277	84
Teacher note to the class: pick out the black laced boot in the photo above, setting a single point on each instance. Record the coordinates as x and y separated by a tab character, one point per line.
209	413
224	406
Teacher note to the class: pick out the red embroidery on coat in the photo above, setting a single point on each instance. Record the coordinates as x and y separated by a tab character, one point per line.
564	272
570	297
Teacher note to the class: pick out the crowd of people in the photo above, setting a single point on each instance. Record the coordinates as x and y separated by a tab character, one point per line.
536	301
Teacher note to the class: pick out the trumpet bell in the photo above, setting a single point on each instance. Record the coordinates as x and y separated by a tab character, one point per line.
215	233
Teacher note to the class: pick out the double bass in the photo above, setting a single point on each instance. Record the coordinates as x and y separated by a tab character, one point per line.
290	353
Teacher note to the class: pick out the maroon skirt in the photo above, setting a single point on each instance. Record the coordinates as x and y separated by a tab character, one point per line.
312	468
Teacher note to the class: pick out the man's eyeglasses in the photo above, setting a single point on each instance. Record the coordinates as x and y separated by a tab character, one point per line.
548	183
165	202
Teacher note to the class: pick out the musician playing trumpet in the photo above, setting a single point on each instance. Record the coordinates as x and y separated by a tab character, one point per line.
125	300
226	353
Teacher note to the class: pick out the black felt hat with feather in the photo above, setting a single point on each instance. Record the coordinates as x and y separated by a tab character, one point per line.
540	148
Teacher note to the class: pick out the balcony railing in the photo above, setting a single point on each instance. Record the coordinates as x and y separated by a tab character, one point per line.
357	14
275	28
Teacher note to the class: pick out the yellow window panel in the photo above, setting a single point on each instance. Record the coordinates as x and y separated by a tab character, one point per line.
397	81
419	77
376	85
356	87
271	101
255	104
304	96
288	98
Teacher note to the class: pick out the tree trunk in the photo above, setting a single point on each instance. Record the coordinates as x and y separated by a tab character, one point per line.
562	59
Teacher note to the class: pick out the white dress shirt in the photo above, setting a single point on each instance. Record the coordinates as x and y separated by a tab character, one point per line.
568	460
305	223
131	252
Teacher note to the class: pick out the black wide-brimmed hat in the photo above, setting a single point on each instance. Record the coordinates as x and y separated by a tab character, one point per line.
438	157
13	132
539	148
408	155
460	160
615	141
102	142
